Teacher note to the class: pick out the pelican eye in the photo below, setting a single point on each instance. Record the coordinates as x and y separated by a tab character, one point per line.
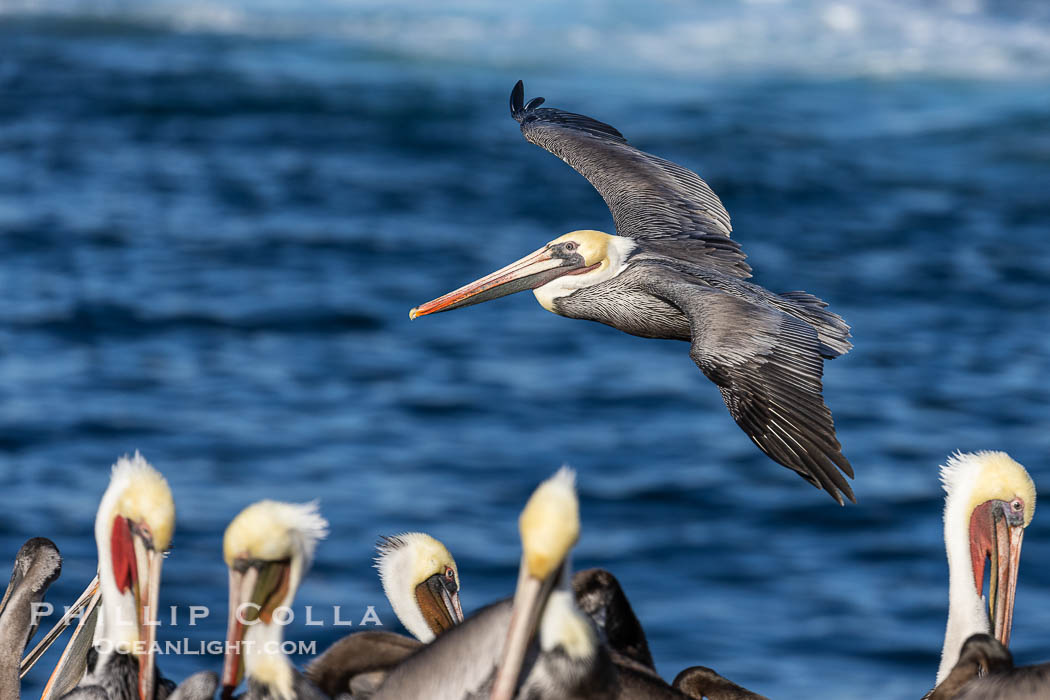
450	574
570	246
1016	505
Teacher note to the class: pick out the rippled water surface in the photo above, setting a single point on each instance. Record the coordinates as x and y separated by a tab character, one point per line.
215	218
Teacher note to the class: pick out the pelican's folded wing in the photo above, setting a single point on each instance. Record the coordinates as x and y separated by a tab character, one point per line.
359	654
649	197
768	366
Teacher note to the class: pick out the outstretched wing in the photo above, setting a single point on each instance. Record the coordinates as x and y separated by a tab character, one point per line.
767	365
649	197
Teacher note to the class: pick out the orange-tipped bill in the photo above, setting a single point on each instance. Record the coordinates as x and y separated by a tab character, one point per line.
530	272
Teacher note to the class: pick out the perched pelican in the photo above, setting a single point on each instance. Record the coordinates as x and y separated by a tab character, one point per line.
989	501
37	565
673	272
985	671
421	581
569	659
599	595
133	529
461	662
268	547
492	650
702	682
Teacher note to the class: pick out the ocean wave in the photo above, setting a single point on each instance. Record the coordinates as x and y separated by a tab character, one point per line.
981	39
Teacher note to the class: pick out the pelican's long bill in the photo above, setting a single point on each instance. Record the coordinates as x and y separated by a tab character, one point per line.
73	661
137	565
532	271
529	599
996	531
256	590
550	527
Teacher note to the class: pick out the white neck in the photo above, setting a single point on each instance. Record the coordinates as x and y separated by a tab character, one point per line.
563	625
617	250
396	573
117	619
967	614
265	662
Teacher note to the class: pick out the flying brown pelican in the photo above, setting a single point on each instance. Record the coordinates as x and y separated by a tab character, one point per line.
133	529
989	501
268	547
37	565
986	671
421	581
673	272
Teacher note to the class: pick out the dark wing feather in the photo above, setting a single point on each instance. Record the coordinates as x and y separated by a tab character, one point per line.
649	197
701	682
768	367
1022	683
358	654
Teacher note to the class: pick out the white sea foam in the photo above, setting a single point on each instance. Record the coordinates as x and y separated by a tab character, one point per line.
837	38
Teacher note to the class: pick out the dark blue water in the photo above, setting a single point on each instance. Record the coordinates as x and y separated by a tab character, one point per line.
215	218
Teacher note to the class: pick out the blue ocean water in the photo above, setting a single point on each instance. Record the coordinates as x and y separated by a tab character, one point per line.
214	218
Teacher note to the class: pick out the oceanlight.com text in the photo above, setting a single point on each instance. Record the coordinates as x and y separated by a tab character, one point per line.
187	647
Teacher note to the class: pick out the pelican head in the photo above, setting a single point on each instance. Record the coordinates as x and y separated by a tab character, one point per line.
990	500
37	565
570	262
549	527
133	529
421	581
268	547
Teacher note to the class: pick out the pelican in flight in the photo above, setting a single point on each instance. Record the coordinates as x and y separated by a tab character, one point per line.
37	565
268	547
989	501
986	671
421	581
673	272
